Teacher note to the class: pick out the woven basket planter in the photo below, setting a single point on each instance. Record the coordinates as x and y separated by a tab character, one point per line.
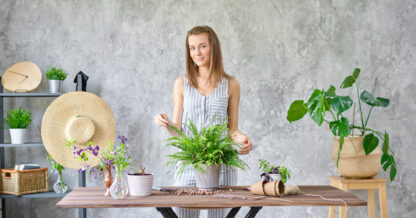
19	182
353	163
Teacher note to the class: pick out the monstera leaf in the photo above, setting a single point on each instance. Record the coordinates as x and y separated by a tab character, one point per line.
297	110
350	80
372	101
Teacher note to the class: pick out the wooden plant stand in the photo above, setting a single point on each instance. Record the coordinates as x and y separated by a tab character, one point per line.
369	184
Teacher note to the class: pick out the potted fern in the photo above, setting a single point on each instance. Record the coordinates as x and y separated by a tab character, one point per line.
206	151
355	155
17	120
55	77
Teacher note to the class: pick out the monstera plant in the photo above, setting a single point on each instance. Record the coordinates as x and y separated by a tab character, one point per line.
327	106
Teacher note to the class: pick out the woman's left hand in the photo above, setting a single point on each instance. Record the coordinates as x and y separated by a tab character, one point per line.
245	141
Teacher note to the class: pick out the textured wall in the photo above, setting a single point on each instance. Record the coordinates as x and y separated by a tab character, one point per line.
278	50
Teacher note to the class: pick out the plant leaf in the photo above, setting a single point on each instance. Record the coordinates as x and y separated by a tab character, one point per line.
348	82
383	102
296	111
393	172
370	143
316	106
356	73
385	157
341	103
340	127
330	92
385	147
341	142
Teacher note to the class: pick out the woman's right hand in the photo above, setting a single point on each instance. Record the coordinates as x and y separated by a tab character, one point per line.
161	120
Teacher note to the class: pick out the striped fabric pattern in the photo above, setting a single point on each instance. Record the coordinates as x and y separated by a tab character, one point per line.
201	110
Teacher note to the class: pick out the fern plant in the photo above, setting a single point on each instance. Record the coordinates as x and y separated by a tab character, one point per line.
211	146
18	118
55	74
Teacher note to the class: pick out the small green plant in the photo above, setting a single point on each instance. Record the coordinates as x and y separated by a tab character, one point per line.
57	168
55	74
18	118
270	169
211	146
322	103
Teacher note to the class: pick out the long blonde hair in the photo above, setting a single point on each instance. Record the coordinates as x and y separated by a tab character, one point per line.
216	67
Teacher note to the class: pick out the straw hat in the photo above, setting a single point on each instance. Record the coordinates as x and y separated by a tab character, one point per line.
82	116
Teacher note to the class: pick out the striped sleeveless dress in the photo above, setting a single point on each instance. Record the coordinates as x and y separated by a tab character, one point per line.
201	110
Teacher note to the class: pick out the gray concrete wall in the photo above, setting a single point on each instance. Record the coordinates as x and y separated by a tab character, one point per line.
278	50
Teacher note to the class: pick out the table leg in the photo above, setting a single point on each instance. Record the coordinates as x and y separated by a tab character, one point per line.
332	210
167	212
382	197
371	204
233	212
343	210
253	212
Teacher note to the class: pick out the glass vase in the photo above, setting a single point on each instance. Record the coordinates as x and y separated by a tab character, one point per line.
119	188
60	187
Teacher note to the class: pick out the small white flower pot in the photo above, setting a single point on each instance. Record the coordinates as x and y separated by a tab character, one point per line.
209	179
17	136
55	86
275	177
140	185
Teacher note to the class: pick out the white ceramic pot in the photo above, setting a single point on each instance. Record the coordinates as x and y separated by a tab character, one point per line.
17	136
140	185
209	179
353	162
55	86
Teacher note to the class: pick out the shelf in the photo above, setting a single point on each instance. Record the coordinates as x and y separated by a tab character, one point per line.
31	144
50	194
30	94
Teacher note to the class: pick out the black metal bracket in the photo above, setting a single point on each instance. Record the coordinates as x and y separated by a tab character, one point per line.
167	212
233	212
253	212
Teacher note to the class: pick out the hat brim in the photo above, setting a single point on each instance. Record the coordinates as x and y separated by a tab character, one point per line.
67	106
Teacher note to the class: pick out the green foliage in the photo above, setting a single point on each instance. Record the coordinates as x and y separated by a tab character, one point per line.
55	74
284	173
270	169
266	166
322	102
211	146
18	118
56	167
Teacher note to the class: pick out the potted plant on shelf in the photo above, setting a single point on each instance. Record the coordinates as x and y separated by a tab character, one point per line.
205	151
17	120
140	182
356	156
272	173
59	187
114	157
55	77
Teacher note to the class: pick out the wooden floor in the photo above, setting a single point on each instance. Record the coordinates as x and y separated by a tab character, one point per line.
93	197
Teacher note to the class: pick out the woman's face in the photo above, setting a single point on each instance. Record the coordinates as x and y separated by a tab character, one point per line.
200	49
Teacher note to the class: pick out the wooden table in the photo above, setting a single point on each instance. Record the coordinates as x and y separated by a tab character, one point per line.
93	197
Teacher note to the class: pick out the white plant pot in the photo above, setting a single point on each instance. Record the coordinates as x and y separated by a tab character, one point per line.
275	177
17	136
209	179
55	86
140	185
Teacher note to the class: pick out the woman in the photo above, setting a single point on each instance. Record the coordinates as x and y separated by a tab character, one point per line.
205	90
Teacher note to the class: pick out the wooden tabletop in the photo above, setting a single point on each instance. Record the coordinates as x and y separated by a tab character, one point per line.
93	197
